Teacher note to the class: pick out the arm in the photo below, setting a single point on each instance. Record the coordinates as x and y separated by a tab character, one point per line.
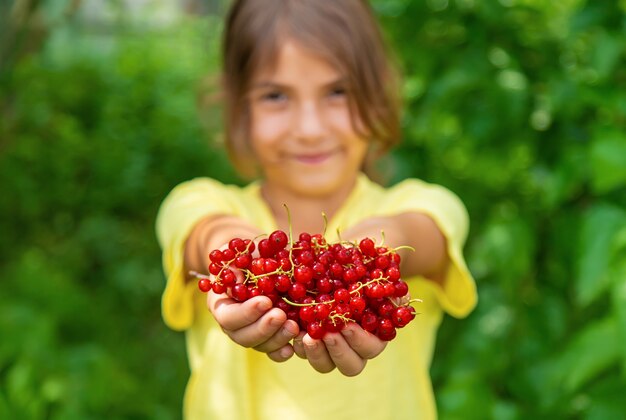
413	229
350	349
253	323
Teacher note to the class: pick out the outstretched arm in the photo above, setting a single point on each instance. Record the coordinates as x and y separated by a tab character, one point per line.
416	230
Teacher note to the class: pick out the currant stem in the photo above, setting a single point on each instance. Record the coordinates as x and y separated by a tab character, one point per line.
376	280
255	238
410	248
289	224
199	275
334	315
250	276
306	304
325	224
224	267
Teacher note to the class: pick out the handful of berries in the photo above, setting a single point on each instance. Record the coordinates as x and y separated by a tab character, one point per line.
322	286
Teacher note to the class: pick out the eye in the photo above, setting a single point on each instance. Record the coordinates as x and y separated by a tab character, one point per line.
337	95
338	92
273	97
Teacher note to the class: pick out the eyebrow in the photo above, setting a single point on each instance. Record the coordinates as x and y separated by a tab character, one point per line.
265	84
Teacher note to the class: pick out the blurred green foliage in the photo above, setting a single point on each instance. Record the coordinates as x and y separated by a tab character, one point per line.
519	106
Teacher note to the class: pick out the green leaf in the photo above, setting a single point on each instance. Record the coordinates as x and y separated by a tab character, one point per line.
599	226
618	295
606	52
619	310
593	350
605	399
608	160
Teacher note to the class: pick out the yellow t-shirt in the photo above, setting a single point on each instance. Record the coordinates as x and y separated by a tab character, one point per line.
231	382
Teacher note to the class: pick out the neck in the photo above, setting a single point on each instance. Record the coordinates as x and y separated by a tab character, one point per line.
306	211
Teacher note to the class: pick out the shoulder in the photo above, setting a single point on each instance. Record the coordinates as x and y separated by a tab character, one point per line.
408	192
191	200
411	190
414	186
200	186
435	200
202	189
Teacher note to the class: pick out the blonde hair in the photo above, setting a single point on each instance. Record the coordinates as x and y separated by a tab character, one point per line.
344	32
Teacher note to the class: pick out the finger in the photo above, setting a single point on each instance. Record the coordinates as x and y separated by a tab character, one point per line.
239	276
342	355
316	353
289	329
401	301
365	344
282	354
298	346
261	330
232	315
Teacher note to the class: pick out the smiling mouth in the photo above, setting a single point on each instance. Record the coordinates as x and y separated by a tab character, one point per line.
313	159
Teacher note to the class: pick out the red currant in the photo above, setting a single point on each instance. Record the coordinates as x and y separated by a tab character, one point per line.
393	273
341	296
282	283
265	248
204	285
401	289
369	322
228	278
278	240
218	288
307	313
402	316
243	260
322	310
368	247
297	291
237	245
357	304
324	285
239	292
303	274
315	330
216	256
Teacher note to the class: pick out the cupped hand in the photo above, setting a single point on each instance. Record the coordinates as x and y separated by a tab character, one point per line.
348	350
255	324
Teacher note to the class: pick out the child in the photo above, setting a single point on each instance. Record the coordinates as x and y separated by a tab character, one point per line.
309	96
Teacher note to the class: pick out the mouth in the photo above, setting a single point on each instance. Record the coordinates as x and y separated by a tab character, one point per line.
313	158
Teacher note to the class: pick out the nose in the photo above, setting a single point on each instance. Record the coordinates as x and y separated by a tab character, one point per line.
310	122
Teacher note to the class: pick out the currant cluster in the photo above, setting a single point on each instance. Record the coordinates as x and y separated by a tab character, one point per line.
322	286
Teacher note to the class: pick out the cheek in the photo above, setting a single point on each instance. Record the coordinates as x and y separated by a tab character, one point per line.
268	128
265	134
341	121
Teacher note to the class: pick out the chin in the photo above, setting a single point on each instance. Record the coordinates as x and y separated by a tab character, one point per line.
319	185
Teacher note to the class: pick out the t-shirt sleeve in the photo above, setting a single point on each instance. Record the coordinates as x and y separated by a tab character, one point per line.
458	295
182	209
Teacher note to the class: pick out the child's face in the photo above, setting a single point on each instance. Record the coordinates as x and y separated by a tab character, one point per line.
301	131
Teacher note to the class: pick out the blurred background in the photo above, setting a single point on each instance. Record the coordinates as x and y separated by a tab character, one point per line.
519	106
